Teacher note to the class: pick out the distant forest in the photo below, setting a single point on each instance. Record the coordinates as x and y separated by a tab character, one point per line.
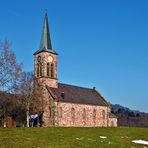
128	117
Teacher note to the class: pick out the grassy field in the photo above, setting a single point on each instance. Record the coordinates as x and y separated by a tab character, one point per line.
72	137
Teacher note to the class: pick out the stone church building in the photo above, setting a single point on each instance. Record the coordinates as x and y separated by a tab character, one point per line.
67	105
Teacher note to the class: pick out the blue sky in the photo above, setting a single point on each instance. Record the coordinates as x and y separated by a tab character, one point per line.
102	43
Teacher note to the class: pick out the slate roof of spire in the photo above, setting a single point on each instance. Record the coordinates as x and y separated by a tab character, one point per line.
76	94
45	38
45	43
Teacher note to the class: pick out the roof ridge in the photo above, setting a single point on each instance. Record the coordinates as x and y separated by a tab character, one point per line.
76	86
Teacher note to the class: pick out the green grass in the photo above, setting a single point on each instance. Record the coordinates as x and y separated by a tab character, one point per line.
56	137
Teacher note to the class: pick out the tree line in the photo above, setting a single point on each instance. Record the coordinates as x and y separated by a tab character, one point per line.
130	118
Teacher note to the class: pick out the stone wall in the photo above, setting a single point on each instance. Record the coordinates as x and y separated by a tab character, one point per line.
112	122
72	114
95	116
49	109
77	115
46	58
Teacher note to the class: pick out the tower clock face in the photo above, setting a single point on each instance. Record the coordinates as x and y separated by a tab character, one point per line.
50	59
39	58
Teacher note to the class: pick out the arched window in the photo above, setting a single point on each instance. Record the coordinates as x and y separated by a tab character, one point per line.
94	114
84	114
52	70
47	69
73	114
103	114
38	70
60	112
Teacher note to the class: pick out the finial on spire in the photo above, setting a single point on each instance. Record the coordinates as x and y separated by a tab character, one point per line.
45	38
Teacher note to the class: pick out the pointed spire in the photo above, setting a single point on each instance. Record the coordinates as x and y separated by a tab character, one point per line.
45	38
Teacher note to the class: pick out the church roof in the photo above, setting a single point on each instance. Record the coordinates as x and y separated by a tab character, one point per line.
45	43
112	115
45	38
45	50
76	94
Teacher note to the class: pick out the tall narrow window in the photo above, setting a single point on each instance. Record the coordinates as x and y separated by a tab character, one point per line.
84	114
73	114
47	69
52	70
103	114
38	71
60	112
94	115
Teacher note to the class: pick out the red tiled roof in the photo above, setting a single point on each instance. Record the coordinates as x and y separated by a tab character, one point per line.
76	94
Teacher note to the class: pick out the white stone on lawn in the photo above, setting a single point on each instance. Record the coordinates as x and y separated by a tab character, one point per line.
80	138
103	137
140	142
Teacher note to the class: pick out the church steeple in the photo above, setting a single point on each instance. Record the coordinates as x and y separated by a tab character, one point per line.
45	59
45	43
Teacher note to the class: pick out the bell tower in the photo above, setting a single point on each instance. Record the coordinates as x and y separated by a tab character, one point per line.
45	59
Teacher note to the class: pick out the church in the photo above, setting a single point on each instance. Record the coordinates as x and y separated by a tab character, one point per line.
67	105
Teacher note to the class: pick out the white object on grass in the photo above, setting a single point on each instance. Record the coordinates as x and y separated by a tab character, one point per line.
103	137
140	142
80	138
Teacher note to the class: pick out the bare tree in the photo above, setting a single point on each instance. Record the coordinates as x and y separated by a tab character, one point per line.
10	69
31	95
27	95
10	72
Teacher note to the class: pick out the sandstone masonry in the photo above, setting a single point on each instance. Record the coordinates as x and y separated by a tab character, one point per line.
67	105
